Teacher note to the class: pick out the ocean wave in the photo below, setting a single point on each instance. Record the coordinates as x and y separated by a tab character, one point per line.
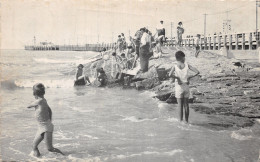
14	84
89	136
134	119
169	153
242	134
89	159
172	119
61	61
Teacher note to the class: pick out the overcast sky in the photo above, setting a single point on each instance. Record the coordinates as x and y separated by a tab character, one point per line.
81	21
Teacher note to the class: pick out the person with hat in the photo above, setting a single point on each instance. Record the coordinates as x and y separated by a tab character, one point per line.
80	78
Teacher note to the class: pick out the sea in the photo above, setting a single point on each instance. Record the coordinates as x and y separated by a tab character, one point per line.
105	124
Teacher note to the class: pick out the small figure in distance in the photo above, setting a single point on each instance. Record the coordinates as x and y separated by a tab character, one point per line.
180	31
80	78
43	115
182	79
197	46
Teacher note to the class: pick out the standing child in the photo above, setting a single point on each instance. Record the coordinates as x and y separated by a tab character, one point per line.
181	77
80	78
197	46
43	115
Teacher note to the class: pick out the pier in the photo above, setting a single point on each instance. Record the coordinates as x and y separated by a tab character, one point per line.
86	47
236	41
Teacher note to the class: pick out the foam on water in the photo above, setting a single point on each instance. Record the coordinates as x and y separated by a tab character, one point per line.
89	136
79	60
242	134
168	153
82	110
89	159
134	119
59	83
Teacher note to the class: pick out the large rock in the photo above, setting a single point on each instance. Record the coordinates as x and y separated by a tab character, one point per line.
147	83
164	94
151	73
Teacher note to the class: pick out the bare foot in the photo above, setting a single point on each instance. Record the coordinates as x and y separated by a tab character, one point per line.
36	152
56	150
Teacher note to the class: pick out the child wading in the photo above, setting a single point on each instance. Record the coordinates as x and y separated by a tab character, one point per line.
43	115
181	77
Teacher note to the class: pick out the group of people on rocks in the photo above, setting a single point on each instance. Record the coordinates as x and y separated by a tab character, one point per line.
142	47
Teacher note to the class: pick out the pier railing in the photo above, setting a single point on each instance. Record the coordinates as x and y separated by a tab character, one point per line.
235	41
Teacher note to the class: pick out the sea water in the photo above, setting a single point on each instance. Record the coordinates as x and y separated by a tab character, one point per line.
104	124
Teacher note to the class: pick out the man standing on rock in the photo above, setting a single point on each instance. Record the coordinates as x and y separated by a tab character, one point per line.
145	51
160	32
137	42
180	31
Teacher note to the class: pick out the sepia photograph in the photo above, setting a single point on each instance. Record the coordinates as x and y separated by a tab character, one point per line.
130	80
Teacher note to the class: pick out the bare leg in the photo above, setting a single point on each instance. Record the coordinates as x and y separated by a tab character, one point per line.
186	108
37	140
48	138
136	57
86	78
180	107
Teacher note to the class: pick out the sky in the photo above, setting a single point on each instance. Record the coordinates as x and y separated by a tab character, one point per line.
92	21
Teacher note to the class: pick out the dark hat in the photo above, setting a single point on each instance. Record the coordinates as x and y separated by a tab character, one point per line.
161	21
119	35
123	54
80	65
180	23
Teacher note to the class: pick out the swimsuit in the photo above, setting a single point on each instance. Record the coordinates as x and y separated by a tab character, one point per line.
182	91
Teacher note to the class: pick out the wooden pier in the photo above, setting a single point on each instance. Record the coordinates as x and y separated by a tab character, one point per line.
86	47
236	41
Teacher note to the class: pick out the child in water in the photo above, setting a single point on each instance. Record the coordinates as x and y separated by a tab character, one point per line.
80	78
181	77
101	77
43	115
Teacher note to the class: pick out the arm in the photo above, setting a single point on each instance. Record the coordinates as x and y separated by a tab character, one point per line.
173	76
33	104
171	72
196	71
50	112
77	75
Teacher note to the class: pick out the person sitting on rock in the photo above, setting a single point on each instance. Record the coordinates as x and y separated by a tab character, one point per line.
80	78
101	76
181	77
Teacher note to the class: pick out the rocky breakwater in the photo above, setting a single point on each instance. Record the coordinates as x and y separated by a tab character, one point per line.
229	95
